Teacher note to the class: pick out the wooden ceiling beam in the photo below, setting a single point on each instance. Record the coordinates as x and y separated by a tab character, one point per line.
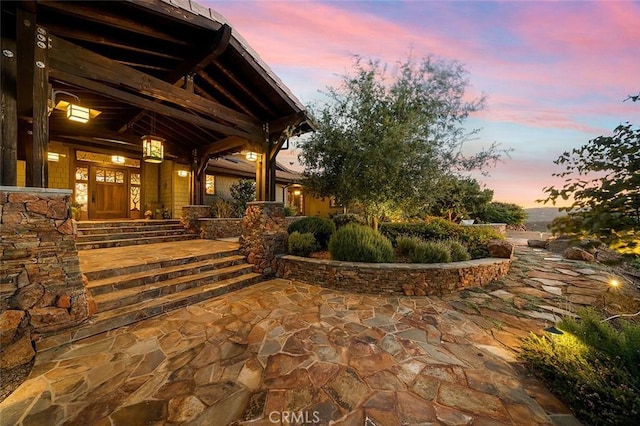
75	60
86	11
224	92
145	66
76	34
223	145
197	60
240	85
150	105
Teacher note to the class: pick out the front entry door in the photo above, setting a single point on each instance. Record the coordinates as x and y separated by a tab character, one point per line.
108	198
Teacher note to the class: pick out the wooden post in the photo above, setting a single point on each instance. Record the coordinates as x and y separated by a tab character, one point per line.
9	115
32	95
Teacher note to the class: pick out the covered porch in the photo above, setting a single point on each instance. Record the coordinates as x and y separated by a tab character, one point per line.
126	105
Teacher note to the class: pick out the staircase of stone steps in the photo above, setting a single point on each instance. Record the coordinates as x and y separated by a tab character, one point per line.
137	291
104	234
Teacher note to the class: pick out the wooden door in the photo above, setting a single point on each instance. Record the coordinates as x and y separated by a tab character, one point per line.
108	193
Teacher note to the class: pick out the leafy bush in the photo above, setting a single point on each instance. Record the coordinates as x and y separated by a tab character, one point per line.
302	244
290	211
221	208
357	243
242	192
509	213
341	220
475	238
406	244
431	252
459	252
567	225
321	228
594	367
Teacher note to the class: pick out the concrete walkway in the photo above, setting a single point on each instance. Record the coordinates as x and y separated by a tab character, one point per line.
291	353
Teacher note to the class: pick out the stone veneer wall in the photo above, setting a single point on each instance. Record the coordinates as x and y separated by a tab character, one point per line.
393	278
212	228
41	288
190	216
264	235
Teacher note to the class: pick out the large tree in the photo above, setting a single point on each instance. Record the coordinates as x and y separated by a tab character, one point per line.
385	140
603	180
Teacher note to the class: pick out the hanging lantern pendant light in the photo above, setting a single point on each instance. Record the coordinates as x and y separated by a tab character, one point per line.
152	146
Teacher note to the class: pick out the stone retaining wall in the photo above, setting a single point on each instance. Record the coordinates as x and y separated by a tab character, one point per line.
264	235
500	228
393	278
41	288
212	228
191	216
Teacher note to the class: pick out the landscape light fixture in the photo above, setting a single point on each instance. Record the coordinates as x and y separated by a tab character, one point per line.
75	112
554	330
251	156
117	159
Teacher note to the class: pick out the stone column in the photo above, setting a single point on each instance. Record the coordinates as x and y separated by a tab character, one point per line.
41	288
264	235
190	216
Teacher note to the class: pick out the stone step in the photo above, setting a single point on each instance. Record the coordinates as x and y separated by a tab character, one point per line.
115	318
121	223
129	229
148	274
131	296
134	241
104	273
115	236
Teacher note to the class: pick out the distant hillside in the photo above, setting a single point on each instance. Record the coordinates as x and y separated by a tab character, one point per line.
542	214
539	217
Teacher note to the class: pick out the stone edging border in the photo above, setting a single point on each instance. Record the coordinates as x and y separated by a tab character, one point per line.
408	279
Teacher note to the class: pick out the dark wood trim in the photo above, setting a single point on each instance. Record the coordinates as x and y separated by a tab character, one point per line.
86	11
150	105
9	116
41	90
81	62
207	78
241	86
220	146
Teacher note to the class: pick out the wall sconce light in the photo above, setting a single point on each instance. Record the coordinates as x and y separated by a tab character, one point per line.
297	192
53	156
75	112
117	159
251	156
183	173
152	149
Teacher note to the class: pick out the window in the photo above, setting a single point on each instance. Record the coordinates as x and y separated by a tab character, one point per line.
134	191
81	186
210	185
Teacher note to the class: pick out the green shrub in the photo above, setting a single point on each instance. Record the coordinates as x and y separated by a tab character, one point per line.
593	367
509	213
290	211
476	238
302	244
357	243
459	252
406	244
341	220
321	228
431	252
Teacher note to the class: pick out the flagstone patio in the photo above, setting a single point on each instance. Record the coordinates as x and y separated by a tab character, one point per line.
291	353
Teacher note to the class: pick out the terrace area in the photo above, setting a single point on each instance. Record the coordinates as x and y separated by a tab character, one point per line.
281	348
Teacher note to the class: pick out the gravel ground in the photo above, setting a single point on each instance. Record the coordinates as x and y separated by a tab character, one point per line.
11	378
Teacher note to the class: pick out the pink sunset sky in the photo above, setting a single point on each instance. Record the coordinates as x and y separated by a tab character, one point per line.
555	73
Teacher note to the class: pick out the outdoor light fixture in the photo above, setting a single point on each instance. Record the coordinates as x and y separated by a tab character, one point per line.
553	330
297	192
183	173
75	112
152	149
53	156
117	159
614	283
251	156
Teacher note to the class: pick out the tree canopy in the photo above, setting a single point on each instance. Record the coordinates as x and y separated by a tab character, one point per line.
603	180
387	140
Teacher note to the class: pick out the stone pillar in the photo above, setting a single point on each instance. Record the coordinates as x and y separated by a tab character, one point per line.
41	288
190	216
264	235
